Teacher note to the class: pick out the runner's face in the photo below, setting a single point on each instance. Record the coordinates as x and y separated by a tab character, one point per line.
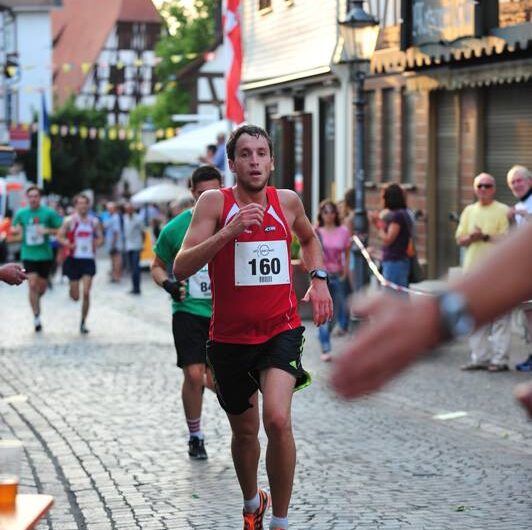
82	206
200	187
253	162
34	199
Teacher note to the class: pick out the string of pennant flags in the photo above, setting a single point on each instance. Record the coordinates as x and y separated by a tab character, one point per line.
85	66
12	69
100	133
110	88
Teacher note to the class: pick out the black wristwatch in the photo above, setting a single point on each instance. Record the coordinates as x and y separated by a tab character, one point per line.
455	319
320	274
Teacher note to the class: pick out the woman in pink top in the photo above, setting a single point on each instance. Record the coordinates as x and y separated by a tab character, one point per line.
336	243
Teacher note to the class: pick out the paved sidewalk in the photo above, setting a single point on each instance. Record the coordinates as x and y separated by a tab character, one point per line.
102	423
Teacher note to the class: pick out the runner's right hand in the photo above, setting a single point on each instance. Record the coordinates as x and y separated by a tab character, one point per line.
175	289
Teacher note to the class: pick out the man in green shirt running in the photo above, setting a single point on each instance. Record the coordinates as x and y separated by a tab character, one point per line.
191	311
35	224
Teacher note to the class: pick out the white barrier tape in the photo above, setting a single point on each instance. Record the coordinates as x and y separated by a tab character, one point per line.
382	280
385	283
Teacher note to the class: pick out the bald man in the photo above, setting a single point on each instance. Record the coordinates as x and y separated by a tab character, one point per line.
481	225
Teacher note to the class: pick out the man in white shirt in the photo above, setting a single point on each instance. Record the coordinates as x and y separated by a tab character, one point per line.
520	182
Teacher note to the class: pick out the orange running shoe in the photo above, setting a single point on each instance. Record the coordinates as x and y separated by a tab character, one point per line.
253	521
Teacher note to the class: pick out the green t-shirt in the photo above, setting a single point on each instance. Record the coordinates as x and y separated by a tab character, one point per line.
198	289
35	245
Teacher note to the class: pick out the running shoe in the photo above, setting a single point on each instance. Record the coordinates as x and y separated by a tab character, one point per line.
196	448
83	328
253	521
525	366
37	324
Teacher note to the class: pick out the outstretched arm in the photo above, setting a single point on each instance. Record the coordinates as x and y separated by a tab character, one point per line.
398	331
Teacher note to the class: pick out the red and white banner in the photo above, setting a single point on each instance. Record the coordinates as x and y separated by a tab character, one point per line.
234	108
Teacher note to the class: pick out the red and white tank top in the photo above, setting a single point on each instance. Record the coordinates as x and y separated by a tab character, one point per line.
82	234
253	297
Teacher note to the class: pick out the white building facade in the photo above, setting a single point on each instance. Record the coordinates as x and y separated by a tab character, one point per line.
25	41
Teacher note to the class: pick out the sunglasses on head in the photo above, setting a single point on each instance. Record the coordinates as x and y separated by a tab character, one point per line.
328	210
484	186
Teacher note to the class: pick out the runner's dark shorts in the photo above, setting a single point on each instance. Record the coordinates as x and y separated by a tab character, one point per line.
75	268
41	268
191	333
236	367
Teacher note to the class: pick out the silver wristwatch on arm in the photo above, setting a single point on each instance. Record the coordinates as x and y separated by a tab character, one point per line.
456	321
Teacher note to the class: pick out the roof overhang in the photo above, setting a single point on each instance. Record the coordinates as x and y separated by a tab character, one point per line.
30	5
287	81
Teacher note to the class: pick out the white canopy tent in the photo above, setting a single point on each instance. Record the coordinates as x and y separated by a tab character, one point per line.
160	193
188	146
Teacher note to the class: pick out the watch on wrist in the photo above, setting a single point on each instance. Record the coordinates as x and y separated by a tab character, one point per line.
320	274
455	319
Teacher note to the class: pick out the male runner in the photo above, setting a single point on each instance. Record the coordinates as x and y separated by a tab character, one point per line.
191	314
256	337
35	224
80	234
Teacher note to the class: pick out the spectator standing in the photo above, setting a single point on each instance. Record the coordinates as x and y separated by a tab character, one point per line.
113	240
36	223
134	241
336	245
219	157
520	182
394	227
481	225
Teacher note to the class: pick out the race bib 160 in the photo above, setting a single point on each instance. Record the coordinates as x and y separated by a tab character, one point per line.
261	263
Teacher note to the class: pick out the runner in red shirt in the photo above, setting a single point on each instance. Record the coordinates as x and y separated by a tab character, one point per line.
256	337
80	235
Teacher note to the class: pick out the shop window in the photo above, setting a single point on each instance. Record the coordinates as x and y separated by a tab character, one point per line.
387	11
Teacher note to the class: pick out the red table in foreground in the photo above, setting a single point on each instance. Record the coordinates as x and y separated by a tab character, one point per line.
30	509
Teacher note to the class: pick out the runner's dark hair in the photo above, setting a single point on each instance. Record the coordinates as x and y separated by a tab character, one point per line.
252	130
204	173
31	188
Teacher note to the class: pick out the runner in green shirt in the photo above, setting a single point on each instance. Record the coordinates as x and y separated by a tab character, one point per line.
192	308
35	224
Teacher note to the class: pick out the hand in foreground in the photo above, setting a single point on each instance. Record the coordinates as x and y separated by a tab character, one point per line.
320	297
175	289
13	274
523	393
396	332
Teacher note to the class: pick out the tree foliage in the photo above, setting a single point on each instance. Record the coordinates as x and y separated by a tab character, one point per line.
187	34
81	163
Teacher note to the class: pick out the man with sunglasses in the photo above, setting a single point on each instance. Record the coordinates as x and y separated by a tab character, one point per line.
481	225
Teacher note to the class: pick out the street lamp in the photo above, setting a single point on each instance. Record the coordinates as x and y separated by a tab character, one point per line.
359	31
148	136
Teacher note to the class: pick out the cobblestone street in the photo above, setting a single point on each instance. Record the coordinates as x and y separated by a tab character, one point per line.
104	433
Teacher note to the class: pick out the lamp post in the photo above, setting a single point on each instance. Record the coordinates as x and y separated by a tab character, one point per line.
359	31
148	136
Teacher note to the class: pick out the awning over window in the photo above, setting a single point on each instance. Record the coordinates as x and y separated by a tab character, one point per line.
501	40
474	76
